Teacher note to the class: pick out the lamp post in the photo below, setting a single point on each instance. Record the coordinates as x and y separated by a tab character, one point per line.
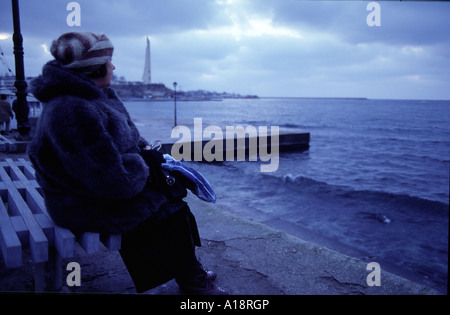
21	107
175	103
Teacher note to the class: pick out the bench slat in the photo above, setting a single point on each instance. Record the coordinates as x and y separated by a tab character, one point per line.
28	170
17	206
111	241
65	242
89	241
21	230
9	241
47	226
63	239
29	173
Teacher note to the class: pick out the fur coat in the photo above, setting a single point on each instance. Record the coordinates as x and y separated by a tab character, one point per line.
85	152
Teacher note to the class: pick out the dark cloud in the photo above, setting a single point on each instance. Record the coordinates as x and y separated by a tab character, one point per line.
43	18
403	22
285	47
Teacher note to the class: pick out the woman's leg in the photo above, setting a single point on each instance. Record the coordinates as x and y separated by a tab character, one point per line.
155	253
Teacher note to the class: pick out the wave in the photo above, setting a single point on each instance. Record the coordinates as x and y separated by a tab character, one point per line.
296	187
328	191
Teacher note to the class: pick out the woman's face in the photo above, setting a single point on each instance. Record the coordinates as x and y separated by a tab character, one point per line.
106	80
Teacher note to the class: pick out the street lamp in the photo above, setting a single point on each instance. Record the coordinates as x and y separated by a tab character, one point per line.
21	106
175	103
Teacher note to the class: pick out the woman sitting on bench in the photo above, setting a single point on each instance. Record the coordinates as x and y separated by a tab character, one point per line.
99	175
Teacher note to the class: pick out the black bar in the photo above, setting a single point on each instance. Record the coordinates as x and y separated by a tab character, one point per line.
20	106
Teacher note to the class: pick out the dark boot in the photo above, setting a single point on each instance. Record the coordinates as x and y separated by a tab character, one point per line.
200	284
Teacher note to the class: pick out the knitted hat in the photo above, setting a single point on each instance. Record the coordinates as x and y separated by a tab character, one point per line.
82	51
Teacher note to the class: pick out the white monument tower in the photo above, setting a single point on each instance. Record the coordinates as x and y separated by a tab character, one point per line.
147	76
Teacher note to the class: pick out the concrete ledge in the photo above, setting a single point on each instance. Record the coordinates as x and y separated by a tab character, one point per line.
240	145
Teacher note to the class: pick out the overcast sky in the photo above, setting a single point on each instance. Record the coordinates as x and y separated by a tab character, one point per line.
269	48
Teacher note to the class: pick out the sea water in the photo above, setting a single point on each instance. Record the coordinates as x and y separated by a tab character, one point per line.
374	183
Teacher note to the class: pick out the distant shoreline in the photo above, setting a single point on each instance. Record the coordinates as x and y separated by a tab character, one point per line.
313	97
349	98
188	99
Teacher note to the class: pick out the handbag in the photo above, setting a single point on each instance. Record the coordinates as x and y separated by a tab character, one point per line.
191	178
175	187
170	183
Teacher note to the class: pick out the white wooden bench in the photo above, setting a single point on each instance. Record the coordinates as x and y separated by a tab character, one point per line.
26	224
